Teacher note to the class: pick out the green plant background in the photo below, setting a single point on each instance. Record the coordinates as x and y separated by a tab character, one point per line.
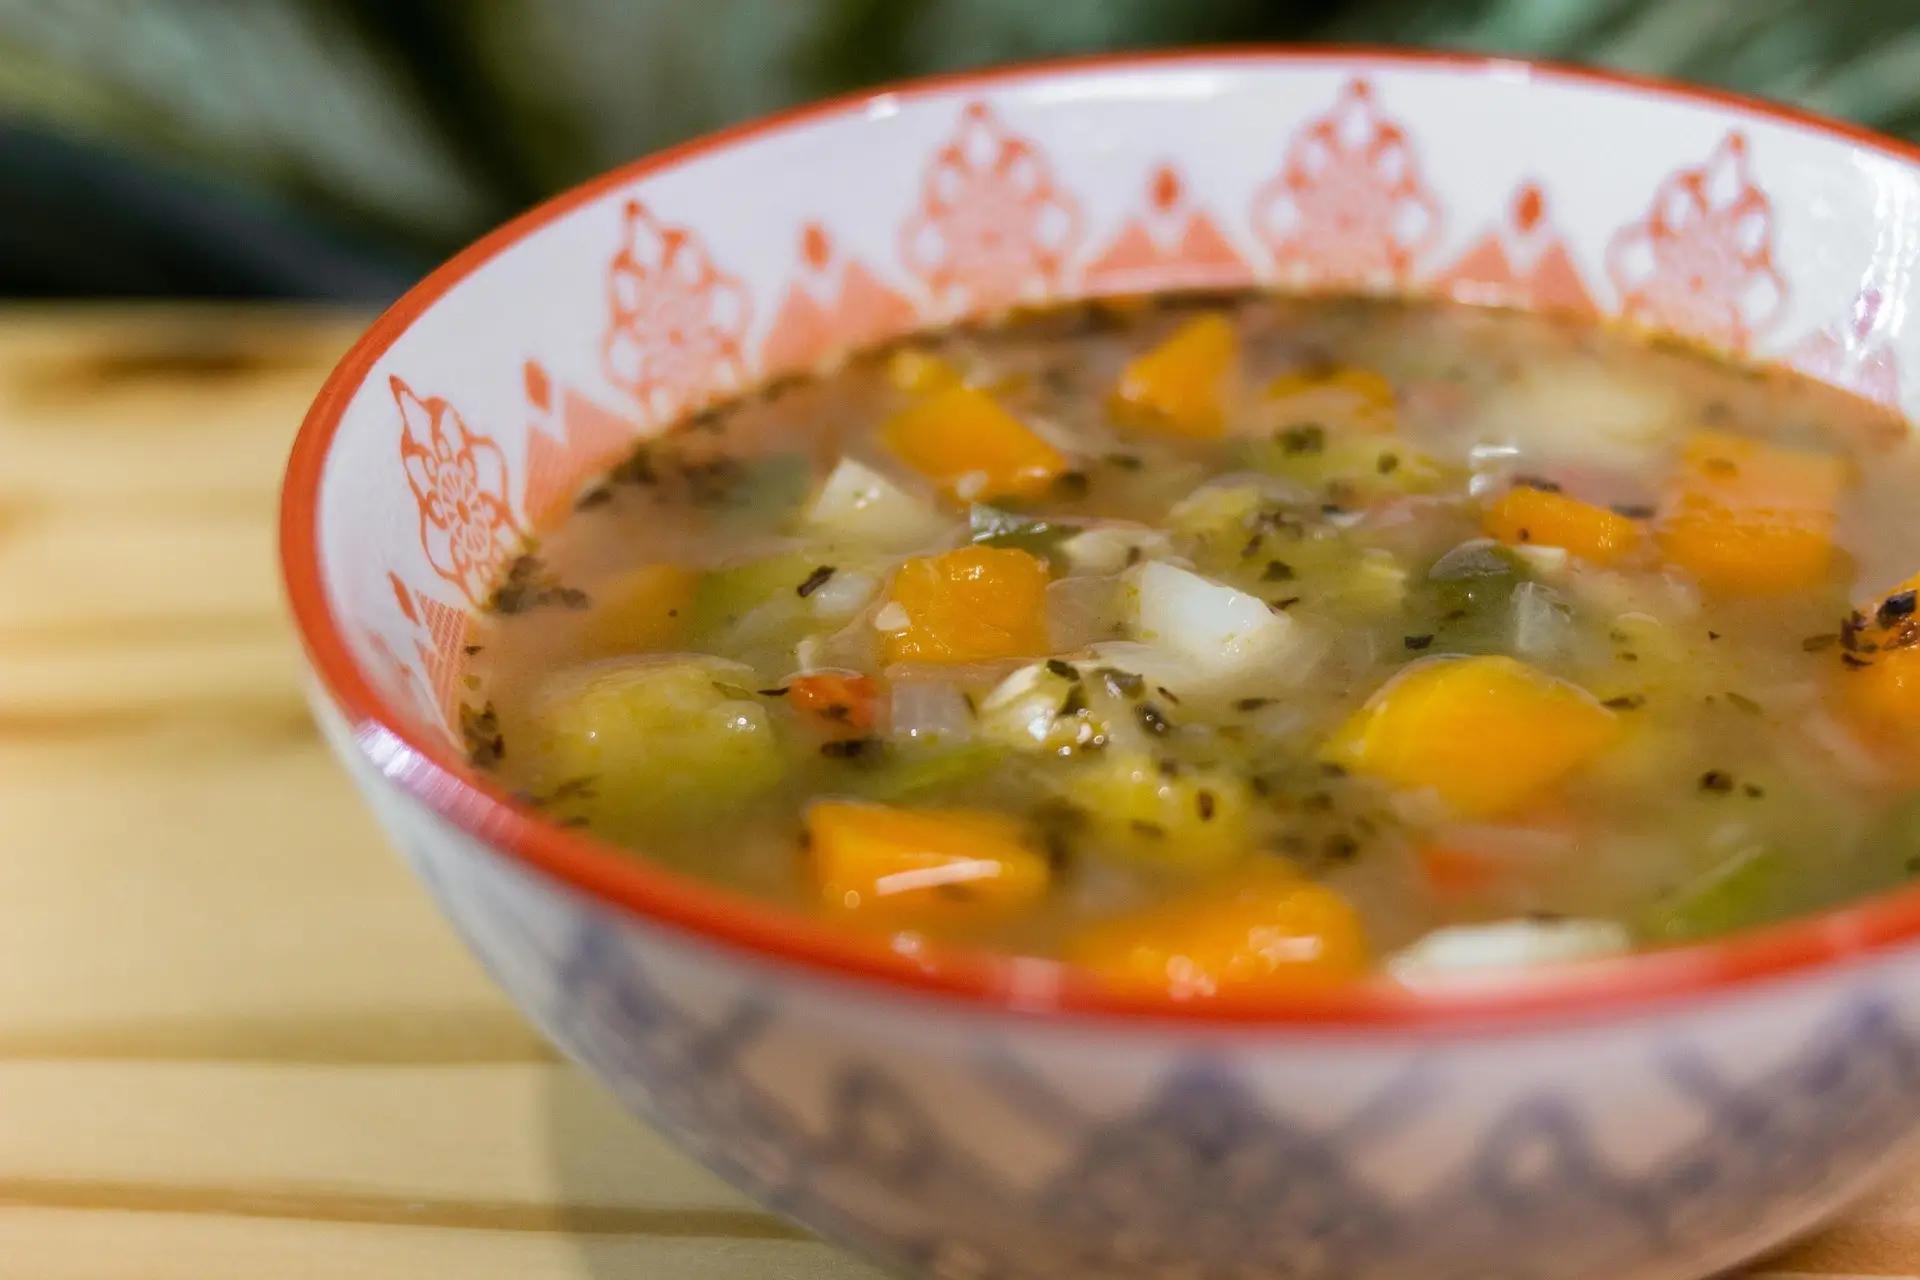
337	147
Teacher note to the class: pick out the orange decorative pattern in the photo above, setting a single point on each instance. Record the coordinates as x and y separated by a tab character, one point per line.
1854	354
439	646
569	439
460	483
1349	207
1700	263
1523	263
992	227
675	320
834	304
1173	244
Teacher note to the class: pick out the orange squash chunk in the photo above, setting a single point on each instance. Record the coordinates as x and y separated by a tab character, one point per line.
1486	733
641	611
1749	518
1529	516
1880	684
875	860
967	605
1180	387
1270	931
1342	396
959	437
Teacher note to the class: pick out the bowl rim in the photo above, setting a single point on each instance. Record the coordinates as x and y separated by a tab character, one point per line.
758	932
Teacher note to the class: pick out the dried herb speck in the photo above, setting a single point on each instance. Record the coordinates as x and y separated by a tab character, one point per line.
814	581
1151	719
1715	781
1416	643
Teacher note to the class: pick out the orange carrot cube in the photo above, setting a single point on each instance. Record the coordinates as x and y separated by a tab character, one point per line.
1181	386
875	860
1486	733
967	605
1750	518
960	438
842	700
1530	516
1268	931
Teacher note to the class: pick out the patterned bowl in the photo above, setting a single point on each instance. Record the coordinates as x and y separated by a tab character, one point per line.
1662	1115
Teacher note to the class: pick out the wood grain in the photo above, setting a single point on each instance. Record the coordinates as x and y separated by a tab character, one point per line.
238	1045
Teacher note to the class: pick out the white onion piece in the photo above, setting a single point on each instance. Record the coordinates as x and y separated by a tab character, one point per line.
843	595
1542	622
864	505
1471	950
1080	611
928	709
1109	548
1224	635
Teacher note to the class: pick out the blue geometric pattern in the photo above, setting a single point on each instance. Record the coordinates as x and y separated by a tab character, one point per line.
1201	1180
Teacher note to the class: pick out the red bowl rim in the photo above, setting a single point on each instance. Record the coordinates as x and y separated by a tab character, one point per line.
757	931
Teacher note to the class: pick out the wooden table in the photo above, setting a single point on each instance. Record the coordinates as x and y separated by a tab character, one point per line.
235	1039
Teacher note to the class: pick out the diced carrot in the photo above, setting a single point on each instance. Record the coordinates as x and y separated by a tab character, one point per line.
1341	396
1181	386
966	605
879	861
920	371
1526	515
960	437
1880	675
842	700
642	610
1750	518
1453	872
1486	733
1268	931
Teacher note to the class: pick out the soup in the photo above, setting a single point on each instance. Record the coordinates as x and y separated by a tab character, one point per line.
1241	642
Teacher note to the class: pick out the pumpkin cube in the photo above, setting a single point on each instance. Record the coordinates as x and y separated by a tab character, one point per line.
1527	516
1486	733
876	860
962	439
1268	931
1181	386
1750	518
968	605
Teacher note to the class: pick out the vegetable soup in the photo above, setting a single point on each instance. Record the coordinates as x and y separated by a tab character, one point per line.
1241	642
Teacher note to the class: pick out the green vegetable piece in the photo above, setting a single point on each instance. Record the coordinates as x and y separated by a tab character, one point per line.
742	603
631	745
998	527
1463	600
907	772
1889	854
1749	889
1366	465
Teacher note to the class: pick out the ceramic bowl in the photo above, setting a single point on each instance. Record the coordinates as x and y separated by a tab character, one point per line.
1662	1115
